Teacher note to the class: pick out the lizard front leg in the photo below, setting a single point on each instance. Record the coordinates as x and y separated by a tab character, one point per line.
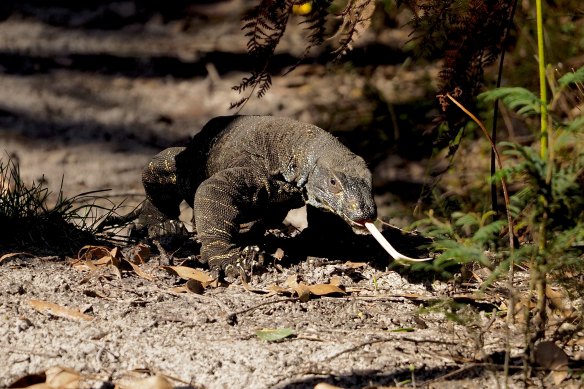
222	203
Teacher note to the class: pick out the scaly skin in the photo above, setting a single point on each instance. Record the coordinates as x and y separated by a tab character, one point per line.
245	168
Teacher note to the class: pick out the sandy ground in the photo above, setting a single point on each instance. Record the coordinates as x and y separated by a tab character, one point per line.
91	106
374	335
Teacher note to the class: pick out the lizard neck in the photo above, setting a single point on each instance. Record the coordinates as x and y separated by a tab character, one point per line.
299	153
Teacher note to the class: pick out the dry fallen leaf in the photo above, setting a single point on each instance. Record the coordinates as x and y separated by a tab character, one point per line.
58	310
521	305
92	257
278	289
355	265
188	273
291	281
559	300
303	291
335	280
116	253
10	255
140	253
35	380
179	289
88	253
155	382
141	272
324	385
551	357
62	378
195	286
279	254
325	289
55	378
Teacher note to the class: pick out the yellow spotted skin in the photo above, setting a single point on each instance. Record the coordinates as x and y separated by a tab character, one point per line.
239	169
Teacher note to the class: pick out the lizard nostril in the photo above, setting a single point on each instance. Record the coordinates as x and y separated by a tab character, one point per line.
359	210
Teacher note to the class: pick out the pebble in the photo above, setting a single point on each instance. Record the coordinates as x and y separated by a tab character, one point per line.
22	324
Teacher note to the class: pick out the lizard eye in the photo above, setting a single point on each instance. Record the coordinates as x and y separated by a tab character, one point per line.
334	186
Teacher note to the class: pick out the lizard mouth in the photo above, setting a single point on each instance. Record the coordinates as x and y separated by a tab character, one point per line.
358	226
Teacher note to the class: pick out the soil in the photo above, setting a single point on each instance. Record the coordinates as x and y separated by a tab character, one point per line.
84	104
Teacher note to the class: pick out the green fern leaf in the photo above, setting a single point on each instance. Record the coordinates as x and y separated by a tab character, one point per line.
465	219
521	100
572	78
576	125
489	232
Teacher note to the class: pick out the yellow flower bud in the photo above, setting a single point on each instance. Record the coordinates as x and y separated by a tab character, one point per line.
302	9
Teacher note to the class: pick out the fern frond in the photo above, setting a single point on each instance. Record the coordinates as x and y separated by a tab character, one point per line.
468	35
572	78
465	219
518	99
576	124
239	103
356	18
316	22
315	27
487	233
264	25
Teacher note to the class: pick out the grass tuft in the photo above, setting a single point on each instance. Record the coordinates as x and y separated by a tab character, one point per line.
29	222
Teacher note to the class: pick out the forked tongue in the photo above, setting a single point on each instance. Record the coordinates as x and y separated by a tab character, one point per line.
389	248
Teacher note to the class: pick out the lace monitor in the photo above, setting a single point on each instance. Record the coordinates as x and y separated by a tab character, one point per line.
245	168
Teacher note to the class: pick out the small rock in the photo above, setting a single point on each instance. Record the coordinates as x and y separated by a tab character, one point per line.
23	324
567	328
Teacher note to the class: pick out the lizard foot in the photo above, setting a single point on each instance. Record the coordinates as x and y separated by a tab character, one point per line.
166	227
243	265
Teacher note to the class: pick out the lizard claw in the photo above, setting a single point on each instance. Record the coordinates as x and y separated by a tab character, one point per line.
249	258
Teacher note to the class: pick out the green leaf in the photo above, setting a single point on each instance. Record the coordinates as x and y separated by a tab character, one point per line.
576	125
489	232
465	219
455	253
274	334
571	78
521	100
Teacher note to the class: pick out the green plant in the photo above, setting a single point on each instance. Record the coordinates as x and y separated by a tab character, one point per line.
546	208
29	222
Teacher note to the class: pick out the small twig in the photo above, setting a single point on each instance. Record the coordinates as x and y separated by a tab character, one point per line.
462	370
374	341
253	308
504	42
29	352
316	370
125	194
203	298
164	257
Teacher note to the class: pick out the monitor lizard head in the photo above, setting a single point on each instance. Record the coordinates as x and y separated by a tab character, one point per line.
341	183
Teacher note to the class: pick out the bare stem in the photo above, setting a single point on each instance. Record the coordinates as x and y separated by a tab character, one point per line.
542	81
510	280
538	271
